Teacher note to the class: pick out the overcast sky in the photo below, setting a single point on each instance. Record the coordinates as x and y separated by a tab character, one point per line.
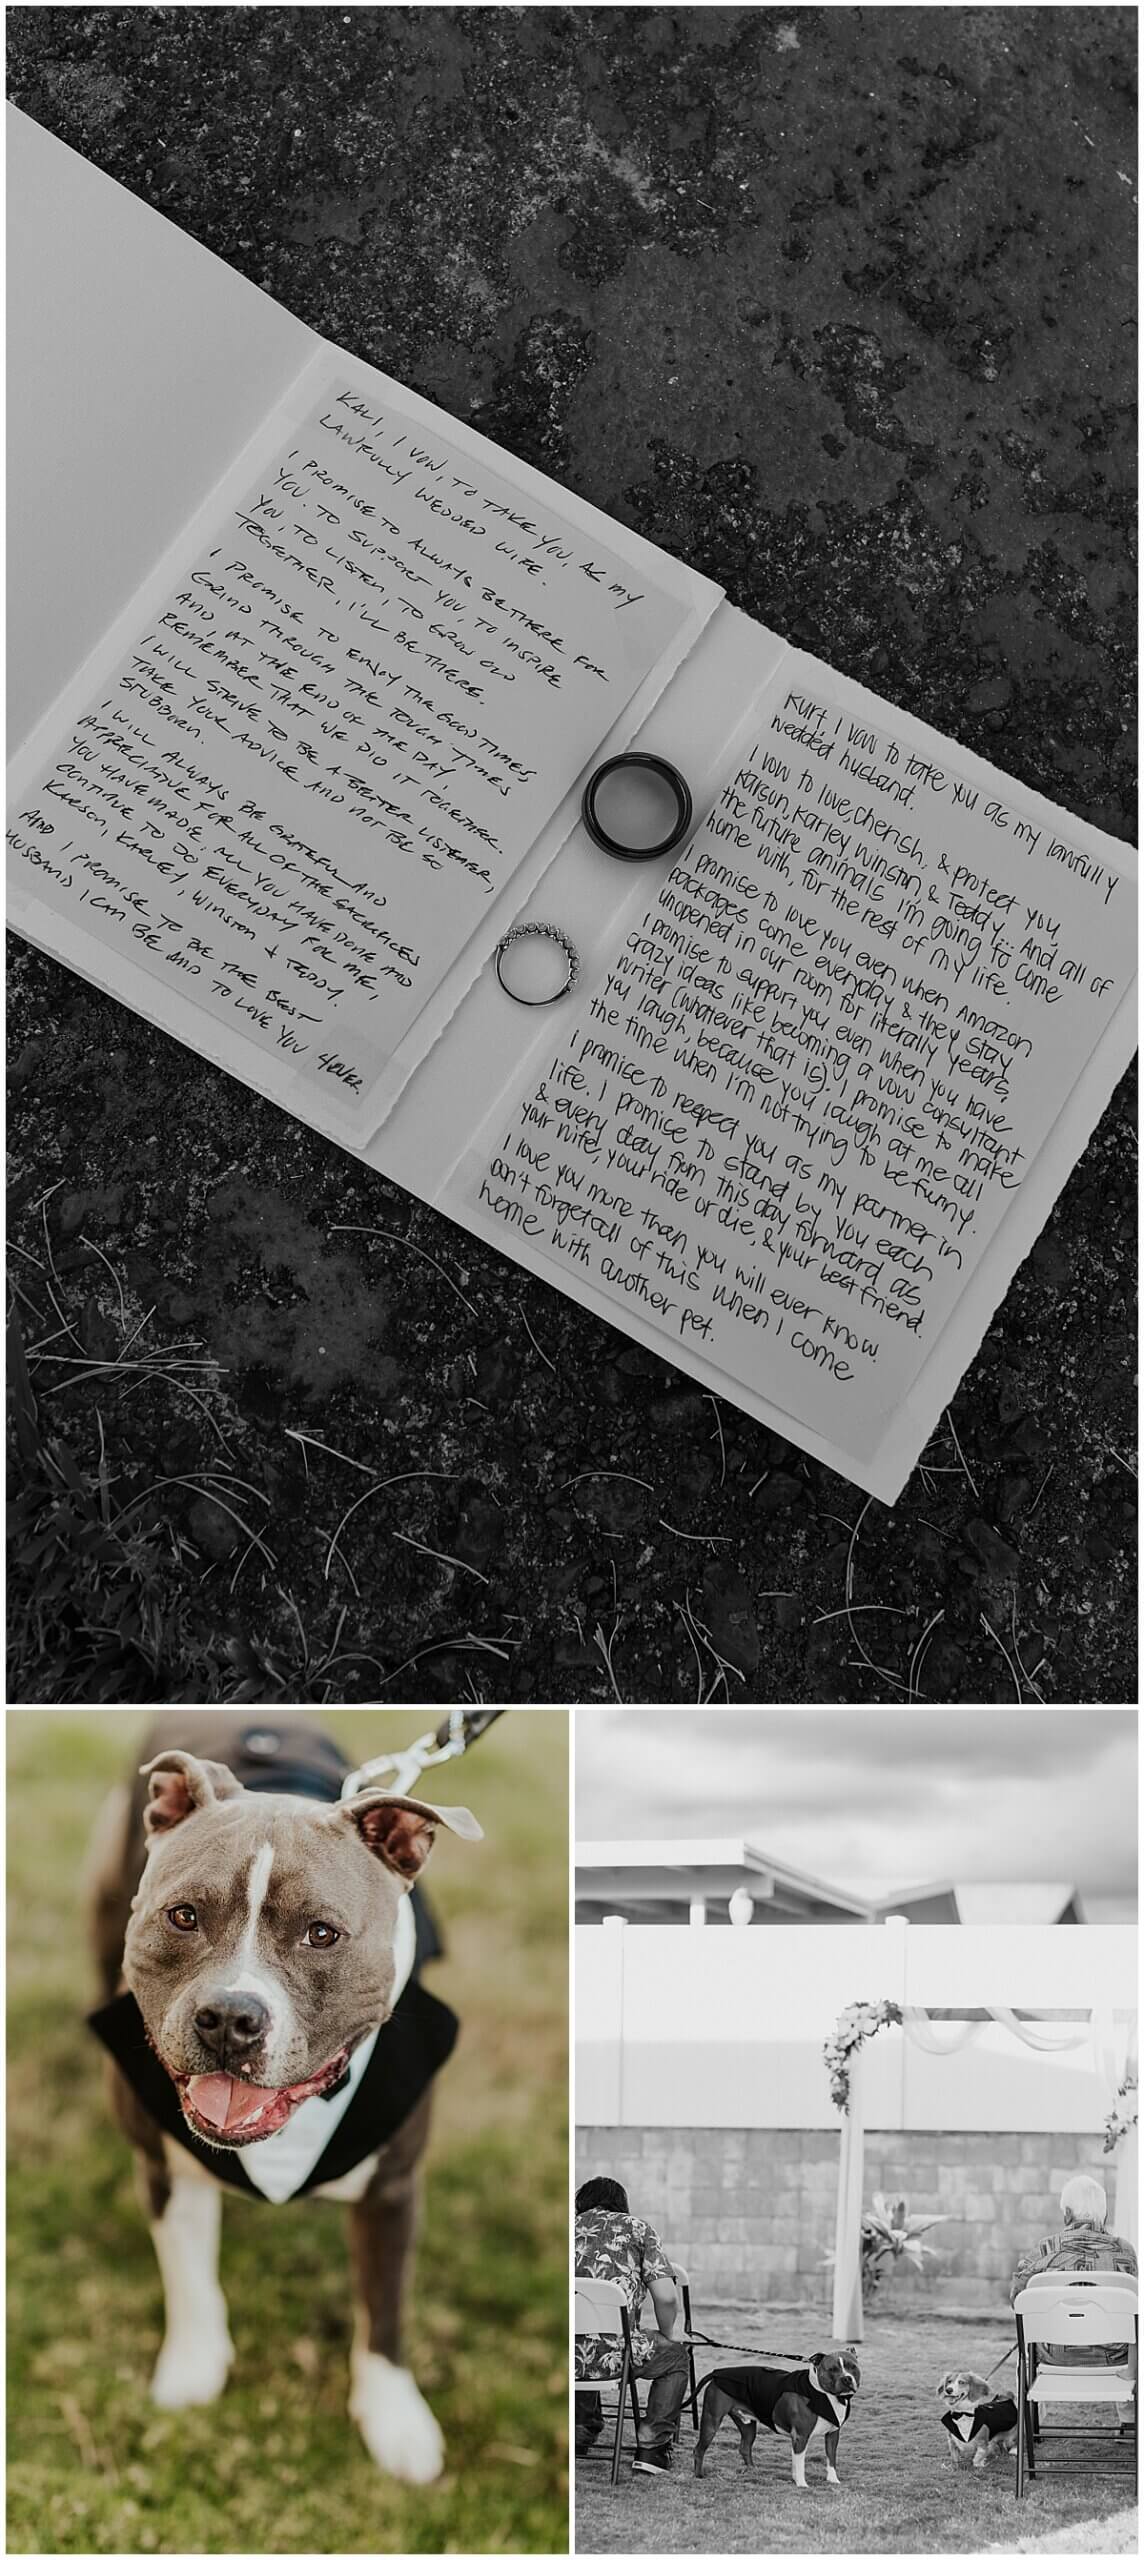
872	1799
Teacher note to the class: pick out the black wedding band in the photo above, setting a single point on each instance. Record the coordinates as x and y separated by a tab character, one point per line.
638	852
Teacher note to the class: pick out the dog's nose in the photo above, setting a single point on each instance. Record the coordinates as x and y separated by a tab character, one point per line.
231	2025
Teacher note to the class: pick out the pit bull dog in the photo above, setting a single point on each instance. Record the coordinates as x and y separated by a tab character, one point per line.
976	2426
272	2035
810	2403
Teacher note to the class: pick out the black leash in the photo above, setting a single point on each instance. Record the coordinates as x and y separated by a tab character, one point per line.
470	1722
788	2355
794	2355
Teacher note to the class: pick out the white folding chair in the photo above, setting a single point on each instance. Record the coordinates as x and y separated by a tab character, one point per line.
683	2289
1076	2316
1114	2276
600	2311
1120	2280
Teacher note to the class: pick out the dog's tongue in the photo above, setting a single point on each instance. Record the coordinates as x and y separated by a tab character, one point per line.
224	2102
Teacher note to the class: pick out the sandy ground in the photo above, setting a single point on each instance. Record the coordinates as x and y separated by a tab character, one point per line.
1112	2533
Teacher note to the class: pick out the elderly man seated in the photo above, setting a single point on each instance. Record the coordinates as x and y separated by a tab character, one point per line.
1084	2246
611	2242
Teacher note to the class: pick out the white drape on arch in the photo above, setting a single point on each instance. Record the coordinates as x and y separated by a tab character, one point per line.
918	2026
955	2035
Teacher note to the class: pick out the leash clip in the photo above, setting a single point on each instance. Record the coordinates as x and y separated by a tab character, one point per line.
451	1738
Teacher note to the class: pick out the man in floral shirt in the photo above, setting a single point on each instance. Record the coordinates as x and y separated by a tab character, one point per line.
1085	2247
612	2243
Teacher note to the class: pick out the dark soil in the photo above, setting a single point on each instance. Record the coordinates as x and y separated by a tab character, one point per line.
835	304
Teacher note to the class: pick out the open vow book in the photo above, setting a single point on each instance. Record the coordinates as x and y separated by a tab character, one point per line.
307	680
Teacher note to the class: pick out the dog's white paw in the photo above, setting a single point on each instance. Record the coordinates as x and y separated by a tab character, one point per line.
190	2372
399	2427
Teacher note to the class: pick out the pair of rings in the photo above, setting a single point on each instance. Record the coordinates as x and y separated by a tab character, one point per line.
609	843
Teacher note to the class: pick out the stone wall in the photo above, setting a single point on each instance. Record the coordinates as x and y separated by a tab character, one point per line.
751	2214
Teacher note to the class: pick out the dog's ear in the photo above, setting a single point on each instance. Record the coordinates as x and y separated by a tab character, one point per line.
400	1830
178	1785
945	2386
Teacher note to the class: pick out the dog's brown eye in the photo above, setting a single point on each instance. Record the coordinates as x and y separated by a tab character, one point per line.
184	1916
321	1933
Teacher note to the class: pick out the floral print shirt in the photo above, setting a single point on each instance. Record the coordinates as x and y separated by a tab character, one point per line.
624	2251
1080	2249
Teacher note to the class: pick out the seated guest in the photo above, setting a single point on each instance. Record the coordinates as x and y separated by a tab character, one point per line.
612	2243
1085	2246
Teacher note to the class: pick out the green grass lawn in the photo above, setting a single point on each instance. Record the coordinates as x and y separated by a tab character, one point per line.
900	2491
277	2464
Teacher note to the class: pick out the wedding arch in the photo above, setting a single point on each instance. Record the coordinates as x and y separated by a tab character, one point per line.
844	2055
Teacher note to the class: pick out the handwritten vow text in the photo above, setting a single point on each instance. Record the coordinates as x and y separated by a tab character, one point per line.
786	1126
338	736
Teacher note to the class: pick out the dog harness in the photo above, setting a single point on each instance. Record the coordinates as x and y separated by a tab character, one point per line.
990	2417
741	2383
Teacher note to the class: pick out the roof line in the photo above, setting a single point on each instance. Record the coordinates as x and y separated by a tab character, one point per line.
673	1853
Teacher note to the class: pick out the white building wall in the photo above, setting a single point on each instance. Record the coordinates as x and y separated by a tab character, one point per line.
725	2028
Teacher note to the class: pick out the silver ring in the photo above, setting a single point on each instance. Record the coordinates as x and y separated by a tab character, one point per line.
547	933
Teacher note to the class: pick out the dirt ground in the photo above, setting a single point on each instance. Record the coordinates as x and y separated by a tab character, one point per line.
834	304
899	2490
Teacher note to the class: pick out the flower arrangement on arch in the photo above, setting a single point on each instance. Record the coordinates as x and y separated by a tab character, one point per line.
1123	2116
855	2025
